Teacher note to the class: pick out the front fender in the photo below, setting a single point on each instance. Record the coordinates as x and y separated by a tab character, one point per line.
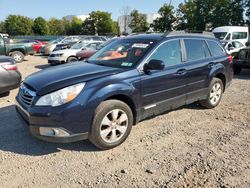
112	90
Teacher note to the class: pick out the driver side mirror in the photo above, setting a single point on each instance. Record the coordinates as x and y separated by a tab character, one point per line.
154	65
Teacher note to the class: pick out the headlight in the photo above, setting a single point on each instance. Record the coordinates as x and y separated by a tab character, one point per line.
61	96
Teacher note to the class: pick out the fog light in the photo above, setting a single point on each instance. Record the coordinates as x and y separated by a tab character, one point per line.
53	132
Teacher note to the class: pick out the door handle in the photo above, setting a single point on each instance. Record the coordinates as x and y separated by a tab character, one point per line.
181	72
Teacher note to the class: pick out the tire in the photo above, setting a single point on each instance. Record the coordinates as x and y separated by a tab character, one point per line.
5	94
18	56
72	59
237	70
215	94
107	121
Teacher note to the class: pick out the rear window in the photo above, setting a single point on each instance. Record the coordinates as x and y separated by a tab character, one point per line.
239	35
196	49
215	48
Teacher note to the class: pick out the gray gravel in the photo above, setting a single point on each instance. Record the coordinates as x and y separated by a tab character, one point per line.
188	147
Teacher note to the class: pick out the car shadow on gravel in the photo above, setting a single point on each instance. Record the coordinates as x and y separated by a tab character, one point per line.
244	75
15	137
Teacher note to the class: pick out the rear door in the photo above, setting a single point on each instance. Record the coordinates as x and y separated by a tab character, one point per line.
199	63
164	89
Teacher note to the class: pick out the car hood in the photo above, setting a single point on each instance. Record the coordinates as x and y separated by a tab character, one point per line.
55	78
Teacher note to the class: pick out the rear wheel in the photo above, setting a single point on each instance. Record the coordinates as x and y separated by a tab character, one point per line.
72	59
214	95
112	124
18	56
237	70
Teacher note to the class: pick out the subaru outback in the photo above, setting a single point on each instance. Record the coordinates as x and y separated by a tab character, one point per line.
125	82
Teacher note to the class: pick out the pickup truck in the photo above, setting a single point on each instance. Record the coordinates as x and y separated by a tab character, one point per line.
17	51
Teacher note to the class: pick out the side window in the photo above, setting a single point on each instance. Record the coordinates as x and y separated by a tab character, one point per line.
239	35
215	48
196	49
237	44
169	53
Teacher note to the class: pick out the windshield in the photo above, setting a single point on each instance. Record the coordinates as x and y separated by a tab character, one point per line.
79	46
122	53
220	35
56	41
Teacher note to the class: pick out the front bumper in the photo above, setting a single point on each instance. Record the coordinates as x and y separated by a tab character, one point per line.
56	60
51	127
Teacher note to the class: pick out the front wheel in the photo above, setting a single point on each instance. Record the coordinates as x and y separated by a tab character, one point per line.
72	59
111	125
214	95
18	56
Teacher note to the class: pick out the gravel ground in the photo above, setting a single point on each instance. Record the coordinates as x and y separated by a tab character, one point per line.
188	147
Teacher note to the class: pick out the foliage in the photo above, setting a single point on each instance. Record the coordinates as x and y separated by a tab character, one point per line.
73	27
166	20
18	25
2	28
40	26
56	27
138	22
99	23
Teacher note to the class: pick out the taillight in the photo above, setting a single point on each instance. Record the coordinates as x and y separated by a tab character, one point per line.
9	66
230	59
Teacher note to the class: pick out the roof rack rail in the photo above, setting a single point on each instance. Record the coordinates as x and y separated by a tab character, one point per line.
189	32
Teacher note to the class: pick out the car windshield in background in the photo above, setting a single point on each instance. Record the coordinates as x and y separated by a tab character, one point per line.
78	46
220	35
56	41
121	53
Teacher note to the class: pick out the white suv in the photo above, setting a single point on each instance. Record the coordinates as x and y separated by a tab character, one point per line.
69	55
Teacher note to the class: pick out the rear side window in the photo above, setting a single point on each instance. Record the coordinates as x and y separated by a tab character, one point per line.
215	48
196	49
239	35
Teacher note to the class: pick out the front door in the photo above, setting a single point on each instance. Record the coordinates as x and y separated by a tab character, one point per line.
164	89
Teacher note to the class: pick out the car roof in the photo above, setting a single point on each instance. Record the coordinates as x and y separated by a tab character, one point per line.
160	36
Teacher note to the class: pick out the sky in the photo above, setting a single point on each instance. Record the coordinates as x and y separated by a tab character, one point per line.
60	8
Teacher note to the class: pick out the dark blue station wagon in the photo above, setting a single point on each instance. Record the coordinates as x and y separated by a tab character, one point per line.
123	83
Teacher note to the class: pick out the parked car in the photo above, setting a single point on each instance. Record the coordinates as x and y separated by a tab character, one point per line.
242	60
125	82
232	33
37	45
10	77
86	53
17	51
69	55
232	47
61	40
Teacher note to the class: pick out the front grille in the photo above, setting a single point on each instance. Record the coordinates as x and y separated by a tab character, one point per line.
26	95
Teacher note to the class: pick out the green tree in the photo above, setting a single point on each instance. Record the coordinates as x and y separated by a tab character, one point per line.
115	28
98	23
40	26
56	27
237	12
2	28
166	21
18	25
88	27
75	26
138	22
